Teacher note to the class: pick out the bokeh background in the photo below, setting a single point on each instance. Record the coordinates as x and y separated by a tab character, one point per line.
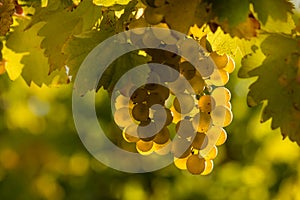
42	157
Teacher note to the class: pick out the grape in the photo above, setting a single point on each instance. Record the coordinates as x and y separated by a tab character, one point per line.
139	95
159	114
152	81
222	138
150	41
184	129
209	153
130	133
200	141
184	103
180	163
219	77
222	95
188	46
178	86
162	136
195	164
155	98
205	67
122	117
206	103
220	60
202	122
152	16
140	112
221	116
176	115
187	70
209	165
216	135
122	101
163	91
162	149
139	23
197	85
144	148
230	65
181	148
147	130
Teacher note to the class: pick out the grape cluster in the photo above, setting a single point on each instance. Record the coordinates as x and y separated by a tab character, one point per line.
185	111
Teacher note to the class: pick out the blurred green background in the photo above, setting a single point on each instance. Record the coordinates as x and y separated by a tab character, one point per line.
42	157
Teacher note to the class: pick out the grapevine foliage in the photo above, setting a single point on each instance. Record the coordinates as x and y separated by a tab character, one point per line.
278	82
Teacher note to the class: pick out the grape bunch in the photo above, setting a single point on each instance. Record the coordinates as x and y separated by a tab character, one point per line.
182	109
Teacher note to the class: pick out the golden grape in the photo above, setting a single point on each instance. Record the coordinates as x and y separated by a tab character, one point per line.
220	60
195	164
140	112
206	103
221	116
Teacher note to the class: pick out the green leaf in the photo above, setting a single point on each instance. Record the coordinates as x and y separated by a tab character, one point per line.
62	25
278	84
119	67
78	48
277	9
232	12
33	64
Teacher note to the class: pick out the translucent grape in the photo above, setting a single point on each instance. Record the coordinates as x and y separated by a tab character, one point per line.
187	70
162	149
202	122
209	165
144	148
219	77
147	130
155	98
162	90
216	135
122	101
195	164
180	163
220	60
178	86
187	103
162	136
230	65
159	114
130	133
205	67
210	153
197	85
140	112
206	103
122	117
139	95
200	141
221	116
185	129
222	95
181	148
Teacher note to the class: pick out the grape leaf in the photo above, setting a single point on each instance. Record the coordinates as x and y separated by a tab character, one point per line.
232	12
278	84
78	48
33	64
194	11
277	9
62	25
